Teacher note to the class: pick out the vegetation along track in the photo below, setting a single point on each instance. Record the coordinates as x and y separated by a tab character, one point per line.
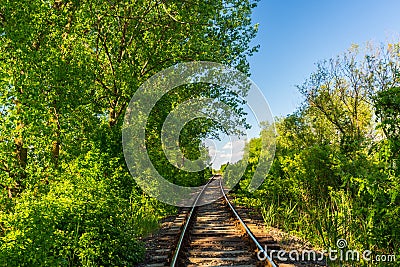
209	235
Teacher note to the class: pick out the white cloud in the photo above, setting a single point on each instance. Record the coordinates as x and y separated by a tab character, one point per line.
237	143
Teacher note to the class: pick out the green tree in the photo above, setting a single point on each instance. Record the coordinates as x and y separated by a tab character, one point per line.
67	72
335	173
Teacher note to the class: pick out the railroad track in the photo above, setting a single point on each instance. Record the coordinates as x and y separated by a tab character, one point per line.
209	235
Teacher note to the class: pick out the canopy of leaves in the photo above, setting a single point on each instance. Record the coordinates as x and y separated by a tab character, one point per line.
68	69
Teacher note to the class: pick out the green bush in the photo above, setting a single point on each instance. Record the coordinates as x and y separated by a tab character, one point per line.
80	221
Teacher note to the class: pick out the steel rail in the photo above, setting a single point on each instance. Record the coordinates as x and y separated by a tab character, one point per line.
248	231
178	247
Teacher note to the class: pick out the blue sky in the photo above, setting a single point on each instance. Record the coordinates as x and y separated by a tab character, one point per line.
295	34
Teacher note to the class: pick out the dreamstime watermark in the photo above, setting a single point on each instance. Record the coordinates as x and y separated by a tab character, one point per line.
231	91
338	254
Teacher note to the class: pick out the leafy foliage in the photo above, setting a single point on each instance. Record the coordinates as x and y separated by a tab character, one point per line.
67	72
335	173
